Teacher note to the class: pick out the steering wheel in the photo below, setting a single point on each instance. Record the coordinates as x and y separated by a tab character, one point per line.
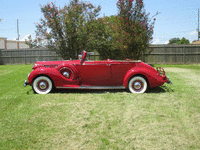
83	53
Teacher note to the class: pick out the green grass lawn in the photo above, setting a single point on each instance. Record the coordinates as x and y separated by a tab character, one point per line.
167	117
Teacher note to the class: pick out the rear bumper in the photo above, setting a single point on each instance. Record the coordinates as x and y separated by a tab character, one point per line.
162	73
168	81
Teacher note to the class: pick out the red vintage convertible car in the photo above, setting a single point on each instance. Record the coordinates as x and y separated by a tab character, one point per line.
134	75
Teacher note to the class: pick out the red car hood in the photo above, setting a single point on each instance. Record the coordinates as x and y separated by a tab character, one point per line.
53	64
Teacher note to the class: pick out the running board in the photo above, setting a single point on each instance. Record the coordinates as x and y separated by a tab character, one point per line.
91	87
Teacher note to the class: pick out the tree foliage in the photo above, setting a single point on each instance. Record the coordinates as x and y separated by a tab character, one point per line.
126	35
66	29
178	41
73	28
105	35
136	29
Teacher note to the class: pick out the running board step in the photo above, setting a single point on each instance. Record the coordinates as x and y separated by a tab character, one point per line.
91	87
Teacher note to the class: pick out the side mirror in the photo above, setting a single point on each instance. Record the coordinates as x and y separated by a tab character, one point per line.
80	57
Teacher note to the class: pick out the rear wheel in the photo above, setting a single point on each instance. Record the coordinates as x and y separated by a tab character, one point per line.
137	85
42	85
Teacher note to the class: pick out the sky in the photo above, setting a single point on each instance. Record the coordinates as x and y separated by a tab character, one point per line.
176	18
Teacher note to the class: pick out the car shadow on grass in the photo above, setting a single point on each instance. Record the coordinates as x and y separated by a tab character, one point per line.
161	89
84	91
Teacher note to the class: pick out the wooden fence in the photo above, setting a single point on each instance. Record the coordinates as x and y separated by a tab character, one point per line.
26	56
174	54
166	54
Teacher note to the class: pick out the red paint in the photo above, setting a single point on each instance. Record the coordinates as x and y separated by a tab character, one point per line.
109	73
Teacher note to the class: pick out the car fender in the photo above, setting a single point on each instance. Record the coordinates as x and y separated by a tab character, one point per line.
57	78
71	67
153	79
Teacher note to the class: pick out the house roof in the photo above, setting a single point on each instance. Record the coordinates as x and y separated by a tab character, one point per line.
196	42
3	38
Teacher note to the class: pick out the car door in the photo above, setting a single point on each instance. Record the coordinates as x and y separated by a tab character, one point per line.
95	73
119	70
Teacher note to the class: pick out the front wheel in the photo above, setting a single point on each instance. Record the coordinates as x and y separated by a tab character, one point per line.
137	85
42	85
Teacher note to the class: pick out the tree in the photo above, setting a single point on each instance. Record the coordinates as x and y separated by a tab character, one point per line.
174	41
178	41
135	29
65	30
99	38
126	35
32	43
104	37
184	41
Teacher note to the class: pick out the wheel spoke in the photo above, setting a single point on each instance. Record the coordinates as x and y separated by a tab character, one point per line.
42	85
137	85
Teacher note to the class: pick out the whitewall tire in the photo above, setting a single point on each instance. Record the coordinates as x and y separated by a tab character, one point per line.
42	85
137	84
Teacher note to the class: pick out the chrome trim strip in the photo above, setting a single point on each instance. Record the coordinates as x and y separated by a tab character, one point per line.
92	87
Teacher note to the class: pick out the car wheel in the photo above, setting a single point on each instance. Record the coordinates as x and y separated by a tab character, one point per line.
42	85
137	85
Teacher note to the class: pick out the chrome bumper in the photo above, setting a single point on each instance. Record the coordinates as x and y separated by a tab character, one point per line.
168	81
26	83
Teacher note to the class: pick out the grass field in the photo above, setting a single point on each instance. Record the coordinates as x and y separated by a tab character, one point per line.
167	117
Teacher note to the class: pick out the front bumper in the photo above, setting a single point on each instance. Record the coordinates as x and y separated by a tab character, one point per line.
26	82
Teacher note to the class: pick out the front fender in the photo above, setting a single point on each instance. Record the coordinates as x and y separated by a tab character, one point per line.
153	78
57	78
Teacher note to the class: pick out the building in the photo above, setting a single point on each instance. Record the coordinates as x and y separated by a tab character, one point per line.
9	44
2	43
196	42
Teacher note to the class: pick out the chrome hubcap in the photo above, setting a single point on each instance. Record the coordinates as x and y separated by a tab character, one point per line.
42	85
66	74
137	85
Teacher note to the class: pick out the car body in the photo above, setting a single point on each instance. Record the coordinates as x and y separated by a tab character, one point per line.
134	75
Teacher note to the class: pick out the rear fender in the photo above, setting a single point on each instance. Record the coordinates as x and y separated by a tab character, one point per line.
152	78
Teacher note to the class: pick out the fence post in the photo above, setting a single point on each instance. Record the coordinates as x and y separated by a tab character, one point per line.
10	56
1	61
164	54
197	54
25	56
184	61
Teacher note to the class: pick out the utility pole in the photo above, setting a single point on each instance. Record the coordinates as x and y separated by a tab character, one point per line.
198	24
18	34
